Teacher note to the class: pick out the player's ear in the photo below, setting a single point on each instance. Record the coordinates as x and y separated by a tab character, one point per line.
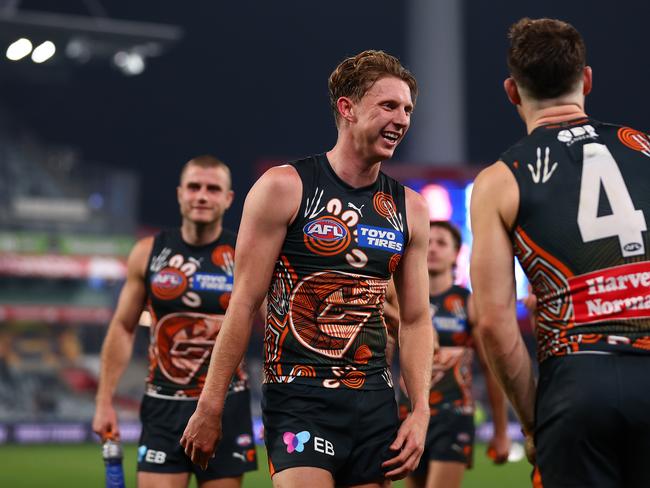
230	196
512	91
345	106
587	80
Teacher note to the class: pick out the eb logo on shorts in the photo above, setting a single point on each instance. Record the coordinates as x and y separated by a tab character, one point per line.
296	442
151	456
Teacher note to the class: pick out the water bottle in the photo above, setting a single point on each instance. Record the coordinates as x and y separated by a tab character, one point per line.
112	454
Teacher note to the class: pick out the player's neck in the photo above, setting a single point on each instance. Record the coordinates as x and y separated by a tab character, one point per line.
555	114
440	282
200	234
351	167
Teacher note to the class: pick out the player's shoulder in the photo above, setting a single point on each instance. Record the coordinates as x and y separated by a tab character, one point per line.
280	178
308	162
496	189
493	176
417	214
139	256
512	153
276	195
415	202
143	246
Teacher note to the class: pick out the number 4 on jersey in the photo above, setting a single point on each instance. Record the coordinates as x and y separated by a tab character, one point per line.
627	223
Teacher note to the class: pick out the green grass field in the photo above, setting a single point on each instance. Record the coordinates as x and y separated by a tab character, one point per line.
81	466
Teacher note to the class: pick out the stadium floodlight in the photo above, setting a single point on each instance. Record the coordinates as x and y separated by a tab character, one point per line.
85	40
79	50
130	63
43	52
19	49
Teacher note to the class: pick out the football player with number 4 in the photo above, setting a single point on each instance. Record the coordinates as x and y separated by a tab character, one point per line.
570	201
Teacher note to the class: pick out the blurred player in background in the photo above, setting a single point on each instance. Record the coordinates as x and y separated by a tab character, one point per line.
450	437
184	277
571	200
323	236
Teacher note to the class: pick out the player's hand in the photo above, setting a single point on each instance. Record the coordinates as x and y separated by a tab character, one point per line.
499	449
409	443
105	421
201	436
529	447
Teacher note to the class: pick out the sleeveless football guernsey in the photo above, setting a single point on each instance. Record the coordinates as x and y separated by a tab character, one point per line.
581	235
451	376
325	324
188	289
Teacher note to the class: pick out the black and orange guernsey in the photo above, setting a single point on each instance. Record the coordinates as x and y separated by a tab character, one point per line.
188	290
325	324
451	376
581	235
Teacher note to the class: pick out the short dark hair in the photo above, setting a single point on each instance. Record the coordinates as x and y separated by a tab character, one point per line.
355	75
546	56
453	230
207	161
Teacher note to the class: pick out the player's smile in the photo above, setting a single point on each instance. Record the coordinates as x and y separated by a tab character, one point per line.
391	137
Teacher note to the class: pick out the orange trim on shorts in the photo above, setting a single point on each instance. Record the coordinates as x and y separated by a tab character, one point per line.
271	468
537	478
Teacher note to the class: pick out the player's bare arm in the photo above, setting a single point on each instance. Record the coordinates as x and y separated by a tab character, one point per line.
416	338
262	231
495	201
499	445
118	344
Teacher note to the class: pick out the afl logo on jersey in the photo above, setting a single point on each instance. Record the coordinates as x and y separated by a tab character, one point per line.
632	246
326	236
168	283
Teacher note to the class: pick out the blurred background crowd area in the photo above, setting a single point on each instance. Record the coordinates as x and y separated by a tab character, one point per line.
103	104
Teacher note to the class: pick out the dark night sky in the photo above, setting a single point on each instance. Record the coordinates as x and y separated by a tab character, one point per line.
616	39
249	82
